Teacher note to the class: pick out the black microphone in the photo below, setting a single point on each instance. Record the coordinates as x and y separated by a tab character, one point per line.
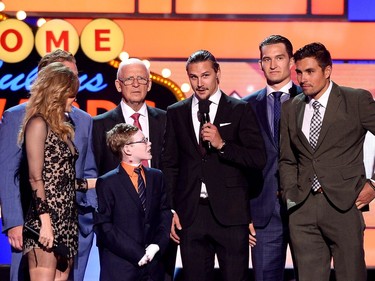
59	249
204	110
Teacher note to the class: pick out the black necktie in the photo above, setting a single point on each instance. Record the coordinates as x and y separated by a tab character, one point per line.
276	116
141	187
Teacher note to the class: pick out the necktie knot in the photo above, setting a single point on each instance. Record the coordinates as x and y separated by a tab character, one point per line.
316	105
138	171
277	95
135	116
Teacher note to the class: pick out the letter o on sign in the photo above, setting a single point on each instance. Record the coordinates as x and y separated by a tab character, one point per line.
102	40
16	40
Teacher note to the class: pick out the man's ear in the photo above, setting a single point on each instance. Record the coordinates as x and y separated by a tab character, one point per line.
126	150
149	85
118	85
327	71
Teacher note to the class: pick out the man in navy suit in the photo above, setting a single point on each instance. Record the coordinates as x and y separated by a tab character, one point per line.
11	189
268	213
133	219
211	141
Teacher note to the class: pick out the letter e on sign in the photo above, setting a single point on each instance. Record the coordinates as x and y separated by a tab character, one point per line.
102	40
16	40
56	34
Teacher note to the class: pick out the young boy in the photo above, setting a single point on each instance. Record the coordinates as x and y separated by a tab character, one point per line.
133	219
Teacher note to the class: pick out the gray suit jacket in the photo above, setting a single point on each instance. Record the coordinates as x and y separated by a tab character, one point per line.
338	158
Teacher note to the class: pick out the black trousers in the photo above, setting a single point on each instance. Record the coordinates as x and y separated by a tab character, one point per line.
207	237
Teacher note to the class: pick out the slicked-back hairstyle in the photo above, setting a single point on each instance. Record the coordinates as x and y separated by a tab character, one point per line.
57	55
276	39
314	50
202	56
119	136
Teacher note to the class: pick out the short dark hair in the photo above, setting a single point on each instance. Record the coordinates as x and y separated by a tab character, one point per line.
57	55
119	136
314	50
276	39
201	56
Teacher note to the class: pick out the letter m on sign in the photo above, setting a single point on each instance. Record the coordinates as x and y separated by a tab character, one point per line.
52	42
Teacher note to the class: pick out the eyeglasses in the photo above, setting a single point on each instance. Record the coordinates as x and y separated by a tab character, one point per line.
130	80
144	140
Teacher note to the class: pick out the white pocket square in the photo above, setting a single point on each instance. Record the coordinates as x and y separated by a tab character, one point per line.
224	124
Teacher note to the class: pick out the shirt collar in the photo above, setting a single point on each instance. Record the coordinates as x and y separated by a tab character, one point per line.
129	169
215	98
284	89
323	100
128	111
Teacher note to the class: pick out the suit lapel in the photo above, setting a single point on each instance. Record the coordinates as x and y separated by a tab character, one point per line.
117	115
333	104
74	117
149	182
154	127
261	111
223	110
300	111
77	121
187	109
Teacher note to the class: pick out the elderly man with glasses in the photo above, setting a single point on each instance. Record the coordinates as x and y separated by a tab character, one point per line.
133	82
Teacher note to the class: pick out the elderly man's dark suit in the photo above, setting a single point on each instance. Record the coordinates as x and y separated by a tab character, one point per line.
124	229
263	205
105	159
338	163
225	174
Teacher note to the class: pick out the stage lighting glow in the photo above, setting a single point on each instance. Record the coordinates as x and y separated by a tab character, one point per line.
40	22
21	15
166	72
185	87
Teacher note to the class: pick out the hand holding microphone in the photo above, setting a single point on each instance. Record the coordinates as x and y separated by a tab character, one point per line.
204	110
209	132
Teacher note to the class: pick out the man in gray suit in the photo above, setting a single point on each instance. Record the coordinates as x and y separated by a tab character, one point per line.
322	172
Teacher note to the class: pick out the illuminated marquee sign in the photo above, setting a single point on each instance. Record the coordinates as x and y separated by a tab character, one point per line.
102	40
23	81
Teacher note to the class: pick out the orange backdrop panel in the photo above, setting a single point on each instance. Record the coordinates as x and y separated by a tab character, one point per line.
155	6
327	7
78	6
239	40
241	7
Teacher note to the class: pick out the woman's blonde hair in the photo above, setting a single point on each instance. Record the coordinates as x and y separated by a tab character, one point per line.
49	93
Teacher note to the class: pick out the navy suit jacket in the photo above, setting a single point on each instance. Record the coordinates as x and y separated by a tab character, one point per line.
10	158
104	157
225	174
263	203
124	229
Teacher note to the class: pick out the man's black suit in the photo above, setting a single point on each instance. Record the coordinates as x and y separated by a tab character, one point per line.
105	159
224	173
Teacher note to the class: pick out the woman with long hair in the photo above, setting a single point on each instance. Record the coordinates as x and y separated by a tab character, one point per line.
51	223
